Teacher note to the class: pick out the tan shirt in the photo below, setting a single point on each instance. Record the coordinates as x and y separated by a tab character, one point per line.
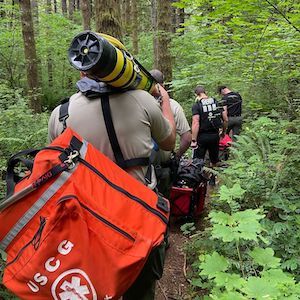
136	116
182	125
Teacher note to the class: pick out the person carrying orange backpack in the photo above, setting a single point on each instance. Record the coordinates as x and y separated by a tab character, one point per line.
125	137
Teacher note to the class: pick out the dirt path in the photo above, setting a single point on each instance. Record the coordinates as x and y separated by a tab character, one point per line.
174	285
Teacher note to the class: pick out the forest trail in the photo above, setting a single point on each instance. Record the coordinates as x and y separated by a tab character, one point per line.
174	284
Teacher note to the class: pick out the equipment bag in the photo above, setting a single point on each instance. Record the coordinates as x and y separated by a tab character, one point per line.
225	142
76	226
188	202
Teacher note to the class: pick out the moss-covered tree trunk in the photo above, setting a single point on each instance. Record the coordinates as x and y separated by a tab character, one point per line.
49	56
107	15
71	8
35	15
154	31
86	14
178	16
30	55
164	59
134	27
92	6
127	25
64	7
2	13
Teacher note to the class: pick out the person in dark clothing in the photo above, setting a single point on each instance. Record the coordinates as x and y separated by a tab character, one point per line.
233	102
166	161
208	123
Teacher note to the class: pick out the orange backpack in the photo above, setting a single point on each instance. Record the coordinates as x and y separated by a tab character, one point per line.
77	226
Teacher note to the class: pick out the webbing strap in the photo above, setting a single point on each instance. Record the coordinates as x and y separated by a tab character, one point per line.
11	177
120	161
64	114
111	131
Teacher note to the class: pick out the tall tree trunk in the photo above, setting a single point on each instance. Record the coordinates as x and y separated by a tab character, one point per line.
49	56
164	59
2	12
86	14
55	6
134	27
13	15
30	55
78	4
64	7
108	17
154	31
173	18
127	25
92	6
35	14
123	14
180	20
71	8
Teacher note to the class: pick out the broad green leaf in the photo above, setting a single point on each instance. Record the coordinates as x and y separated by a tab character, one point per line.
236	191
221	218
265	257
213	264
230	296
278	276
223	232
260	289
229	281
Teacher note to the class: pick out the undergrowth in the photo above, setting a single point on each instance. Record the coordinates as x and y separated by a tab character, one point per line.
250	250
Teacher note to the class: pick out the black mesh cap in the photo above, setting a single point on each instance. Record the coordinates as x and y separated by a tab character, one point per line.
158	76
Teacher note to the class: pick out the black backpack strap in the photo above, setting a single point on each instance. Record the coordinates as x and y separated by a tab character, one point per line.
120	161
12	178
64	113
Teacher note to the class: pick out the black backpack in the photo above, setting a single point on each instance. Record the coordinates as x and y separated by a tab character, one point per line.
190	173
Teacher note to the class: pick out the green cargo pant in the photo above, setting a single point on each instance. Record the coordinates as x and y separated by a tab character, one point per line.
144	286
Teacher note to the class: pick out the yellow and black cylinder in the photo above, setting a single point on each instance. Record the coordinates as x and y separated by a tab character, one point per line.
105	58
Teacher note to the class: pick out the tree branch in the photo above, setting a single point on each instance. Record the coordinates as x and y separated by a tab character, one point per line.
283	15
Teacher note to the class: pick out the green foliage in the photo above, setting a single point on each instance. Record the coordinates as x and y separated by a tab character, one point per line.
53	35
188	228
251	249
19	128
247	45
239	225
52	47
213	264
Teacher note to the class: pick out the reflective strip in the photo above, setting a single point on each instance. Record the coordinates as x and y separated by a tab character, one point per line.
37	206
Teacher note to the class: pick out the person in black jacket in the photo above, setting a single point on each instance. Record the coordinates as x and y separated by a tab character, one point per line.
233	102
208	123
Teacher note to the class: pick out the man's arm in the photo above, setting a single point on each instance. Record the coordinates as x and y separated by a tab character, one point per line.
185	142
225	120
195	130
182	128
168	143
